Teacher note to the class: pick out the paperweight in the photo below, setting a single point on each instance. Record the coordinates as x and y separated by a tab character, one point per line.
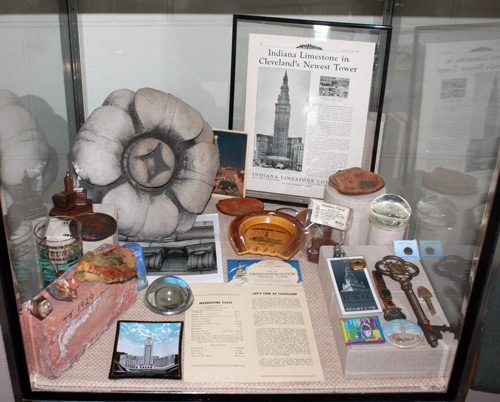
169	295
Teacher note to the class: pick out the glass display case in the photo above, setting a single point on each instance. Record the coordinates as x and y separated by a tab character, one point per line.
434	139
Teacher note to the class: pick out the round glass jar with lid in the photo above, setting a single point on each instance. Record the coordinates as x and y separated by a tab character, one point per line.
390	212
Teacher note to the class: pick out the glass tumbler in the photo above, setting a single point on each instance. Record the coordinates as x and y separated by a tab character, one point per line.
59	243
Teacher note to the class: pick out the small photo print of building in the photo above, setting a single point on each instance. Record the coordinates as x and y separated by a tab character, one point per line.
334	86
232	156
147	349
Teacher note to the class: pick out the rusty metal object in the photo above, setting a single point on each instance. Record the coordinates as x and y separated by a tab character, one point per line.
39	307
403	272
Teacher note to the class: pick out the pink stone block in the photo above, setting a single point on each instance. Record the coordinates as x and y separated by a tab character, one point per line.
56	342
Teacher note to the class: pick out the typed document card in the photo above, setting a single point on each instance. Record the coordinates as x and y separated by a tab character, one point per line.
249	334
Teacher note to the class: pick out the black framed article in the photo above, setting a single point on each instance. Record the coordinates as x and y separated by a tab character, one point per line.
308	95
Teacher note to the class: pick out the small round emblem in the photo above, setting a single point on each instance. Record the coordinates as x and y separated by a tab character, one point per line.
403	334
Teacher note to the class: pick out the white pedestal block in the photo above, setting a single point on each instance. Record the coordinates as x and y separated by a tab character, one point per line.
384	360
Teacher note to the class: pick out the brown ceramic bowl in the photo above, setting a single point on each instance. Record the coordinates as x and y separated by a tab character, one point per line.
269	233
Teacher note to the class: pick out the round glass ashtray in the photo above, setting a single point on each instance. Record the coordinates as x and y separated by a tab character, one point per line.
169	295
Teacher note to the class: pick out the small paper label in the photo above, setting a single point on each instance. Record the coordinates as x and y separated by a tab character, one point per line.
406	249
333	215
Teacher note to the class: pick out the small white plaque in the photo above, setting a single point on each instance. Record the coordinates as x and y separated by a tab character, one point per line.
328	214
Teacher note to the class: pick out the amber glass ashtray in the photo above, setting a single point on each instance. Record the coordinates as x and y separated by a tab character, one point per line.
270	233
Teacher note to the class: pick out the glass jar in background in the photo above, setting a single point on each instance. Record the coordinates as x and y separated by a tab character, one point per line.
389	218
390	212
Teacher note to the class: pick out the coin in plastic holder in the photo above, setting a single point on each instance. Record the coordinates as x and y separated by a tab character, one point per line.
403	334
168	295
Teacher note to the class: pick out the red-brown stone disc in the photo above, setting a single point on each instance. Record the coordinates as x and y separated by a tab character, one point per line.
239	206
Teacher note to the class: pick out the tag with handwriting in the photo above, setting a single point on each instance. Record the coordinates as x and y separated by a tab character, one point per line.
328	214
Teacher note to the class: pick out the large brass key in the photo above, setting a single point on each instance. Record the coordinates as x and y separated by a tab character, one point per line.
403	272
425	294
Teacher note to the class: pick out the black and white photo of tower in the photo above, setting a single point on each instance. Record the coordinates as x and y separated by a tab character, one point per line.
282	121
280	144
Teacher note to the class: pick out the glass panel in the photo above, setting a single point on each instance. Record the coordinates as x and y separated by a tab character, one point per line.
441	138
439	145
37	124
188	51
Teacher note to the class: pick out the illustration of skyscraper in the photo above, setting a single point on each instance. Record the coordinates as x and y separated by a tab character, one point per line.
351	283
279	151
282	120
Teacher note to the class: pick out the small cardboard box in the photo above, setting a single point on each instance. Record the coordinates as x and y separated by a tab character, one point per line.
375	360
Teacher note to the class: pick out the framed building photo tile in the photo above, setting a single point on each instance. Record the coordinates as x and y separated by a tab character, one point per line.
147	349
308	95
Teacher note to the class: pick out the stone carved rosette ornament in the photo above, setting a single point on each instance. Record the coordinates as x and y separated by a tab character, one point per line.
153	156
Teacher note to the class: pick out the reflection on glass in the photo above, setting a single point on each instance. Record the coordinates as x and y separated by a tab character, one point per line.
435	212
445	164
25	152
23	256
440	148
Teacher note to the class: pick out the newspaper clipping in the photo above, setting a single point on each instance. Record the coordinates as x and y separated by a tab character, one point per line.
306	111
